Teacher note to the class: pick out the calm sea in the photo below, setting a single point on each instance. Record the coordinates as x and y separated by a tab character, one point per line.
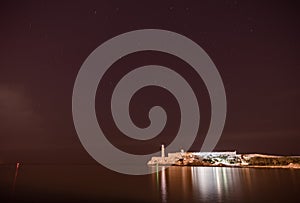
92	183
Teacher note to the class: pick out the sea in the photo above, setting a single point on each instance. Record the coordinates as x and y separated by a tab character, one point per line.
94	183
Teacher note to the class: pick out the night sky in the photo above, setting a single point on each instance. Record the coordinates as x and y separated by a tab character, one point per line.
255	46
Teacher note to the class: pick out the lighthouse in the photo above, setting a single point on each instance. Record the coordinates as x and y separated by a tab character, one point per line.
163	152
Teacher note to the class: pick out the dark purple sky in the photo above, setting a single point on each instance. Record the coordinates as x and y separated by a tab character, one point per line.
255	47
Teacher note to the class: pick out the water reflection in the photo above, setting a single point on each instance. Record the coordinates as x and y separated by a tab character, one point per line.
163	185
197	184
173	183
216	183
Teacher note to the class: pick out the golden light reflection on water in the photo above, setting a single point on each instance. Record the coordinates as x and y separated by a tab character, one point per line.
219	183
180	184
163	185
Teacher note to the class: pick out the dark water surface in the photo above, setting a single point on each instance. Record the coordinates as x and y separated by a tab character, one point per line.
92	183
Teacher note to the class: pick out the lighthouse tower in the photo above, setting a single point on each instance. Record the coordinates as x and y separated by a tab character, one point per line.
163	152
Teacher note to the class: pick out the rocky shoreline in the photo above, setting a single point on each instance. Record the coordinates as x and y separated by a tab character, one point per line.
240	160
227	159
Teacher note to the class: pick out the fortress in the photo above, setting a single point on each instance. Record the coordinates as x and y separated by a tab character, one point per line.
189	157
224	159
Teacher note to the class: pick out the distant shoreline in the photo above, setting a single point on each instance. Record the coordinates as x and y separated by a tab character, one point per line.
295	166
226	159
